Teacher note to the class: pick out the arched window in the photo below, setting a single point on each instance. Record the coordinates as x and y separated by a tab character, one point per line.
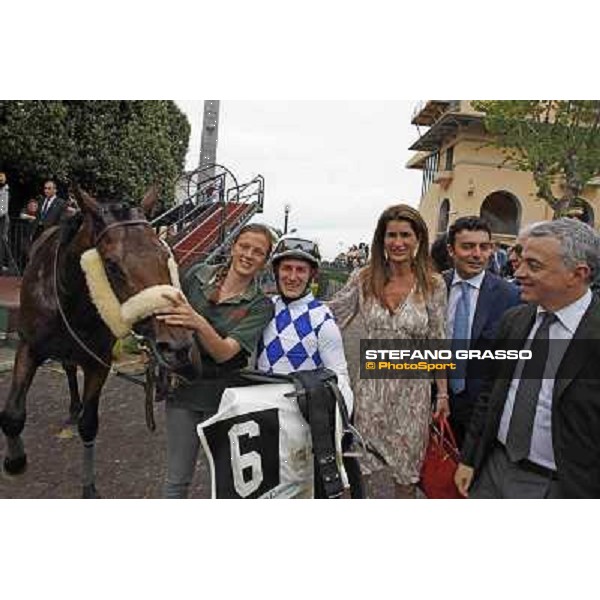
502	210
585	210
443	215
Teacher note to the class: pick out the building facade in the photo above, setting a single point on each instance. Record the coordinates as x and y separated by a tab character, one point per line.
464	175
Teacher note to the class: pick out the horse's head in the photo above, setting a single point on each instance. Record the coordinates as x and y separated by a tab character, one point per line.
130	274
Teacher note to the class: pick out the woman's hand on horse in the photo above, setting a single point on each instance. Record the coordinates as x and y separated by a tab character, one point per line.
180	313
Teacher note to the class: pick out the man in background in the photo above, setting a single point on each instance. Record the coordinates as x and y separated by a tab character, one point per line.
51	210
477	299
4	219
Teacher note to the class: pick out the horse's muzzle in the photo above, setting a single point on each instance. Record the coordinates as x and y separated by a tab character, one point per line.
178	357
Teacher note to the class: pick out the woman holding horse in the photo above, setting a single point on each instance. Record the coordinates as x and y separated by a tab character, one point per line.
396	296
227	312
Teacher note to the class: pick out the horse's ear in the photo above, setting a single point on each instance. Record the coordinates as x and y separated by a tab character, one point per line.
149	200
85	201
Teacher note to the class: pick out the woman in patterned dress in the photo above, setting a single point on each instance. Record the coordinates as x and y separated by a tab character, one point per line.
396	296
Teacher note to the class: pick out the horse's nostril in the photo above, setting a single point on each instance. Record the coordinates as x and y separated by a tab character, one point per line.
173	353
164	348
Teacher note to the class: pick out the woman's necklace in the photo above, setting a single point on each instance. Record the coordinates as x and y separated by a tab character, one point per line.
397	292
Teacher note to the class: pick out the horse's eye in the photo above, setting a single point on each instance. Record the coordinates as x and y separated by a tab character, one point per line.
113	271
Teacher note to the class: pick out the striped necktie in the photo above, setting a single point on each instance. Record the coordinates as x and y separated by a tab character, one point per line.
460	337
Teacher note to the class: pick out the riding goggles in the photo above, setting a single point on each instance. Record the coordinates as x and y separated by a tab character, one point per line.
290	244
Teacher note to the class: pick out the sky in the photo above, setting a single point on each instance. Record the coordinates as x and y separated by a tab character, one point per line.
338	164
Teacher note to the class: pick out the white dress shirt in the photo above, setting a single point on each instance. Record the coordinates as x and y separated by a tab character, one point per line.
4	196
46	205
568	319
474	287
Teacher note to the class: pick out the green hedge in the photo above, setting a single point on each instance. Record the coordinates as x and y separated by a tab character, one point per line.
114	149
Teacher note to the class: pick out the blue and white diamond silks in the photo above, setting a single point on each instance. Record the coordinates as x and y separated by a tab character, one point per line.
290	341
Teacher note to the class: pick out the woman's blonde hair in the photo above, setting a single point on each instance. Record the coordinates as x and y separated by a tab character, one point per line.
376	274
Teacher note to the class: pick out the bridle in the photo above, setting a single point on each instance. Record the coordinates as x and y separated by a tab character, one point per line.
116	224
71	331
143	341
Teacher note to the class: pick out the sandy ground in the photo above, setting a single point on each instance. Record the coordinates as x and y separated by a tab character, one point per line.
130	460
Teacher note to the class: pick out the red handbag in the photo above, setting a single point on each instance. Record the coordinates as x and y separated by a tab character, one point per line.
441	461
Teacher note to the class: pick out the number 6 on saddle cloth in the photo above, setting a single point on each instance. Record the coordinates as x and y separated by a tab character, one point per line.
278	439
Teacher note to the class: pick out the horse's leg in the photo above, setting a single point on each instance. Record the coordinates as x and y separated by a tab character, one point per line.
75	406
94	378
12	419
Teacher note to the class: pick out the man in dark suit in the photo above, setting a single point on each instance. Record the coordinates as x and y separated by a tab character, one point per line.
51	210
4	220
477	299
535	431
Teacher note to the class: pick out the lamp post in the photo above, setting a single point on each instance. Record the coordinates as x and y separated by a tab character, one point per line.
286	210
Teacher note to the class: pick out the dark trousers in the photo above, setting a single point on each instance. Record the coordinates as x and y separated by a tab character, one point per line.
501	478
4	241
461	409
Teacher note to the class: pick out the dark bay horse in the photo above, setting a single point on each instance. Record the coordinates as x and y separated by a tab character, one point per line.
73	309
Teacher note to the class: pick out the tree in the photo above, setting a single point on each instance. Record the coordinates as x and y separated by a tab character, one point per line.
113	149
557	140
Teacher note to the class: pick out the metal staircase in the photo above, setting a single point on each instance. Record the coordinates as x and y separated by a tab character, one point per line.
215	208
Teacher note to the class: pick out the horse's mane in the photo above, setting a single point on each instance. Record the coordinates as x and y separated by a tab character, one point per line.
67	230
69	227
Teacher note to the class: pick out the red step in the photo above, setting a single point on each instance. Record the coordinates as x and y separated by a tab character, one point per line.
203	238
198	234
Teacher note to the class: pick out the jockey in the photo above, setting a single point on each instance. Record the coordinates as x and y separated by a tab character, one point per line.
302	335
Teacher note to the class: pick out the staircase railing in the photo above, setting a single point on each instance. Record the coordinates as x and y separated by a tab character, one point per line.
176	221
207	200
253	191
221	248
232	217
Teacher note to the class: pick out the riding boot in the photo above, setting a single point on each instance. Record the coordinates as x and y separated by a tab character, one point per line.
405	492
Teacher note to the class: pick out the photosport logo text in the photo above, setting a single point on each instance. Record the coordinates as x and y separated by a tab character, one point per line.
421	358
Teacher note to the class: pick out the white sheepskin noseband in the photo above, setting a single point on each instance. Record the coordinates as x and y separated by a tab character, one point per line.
118	317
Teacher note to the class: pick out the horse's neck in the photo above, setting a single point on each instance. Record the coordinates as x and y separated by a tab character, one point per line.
69	261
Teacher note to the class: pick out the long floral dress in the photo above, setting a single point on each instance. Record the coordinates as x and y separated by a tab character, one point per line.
392	414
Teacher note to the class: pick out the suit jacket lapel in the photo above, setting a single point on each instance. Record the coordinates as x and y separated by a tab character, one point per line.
514	338
578	353
519	330
448	276
52	210
484	303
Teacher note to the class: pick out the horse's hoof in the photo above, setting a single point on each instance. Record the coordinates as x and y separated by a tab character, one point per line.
66	433
72	420
15	466
90	492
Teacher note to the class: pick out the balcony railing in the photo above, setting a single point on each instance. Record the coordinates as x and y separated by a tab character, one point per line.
427	112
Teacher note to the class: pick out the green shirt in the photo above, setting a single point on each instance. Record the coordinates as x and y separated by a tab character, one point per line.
241	318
